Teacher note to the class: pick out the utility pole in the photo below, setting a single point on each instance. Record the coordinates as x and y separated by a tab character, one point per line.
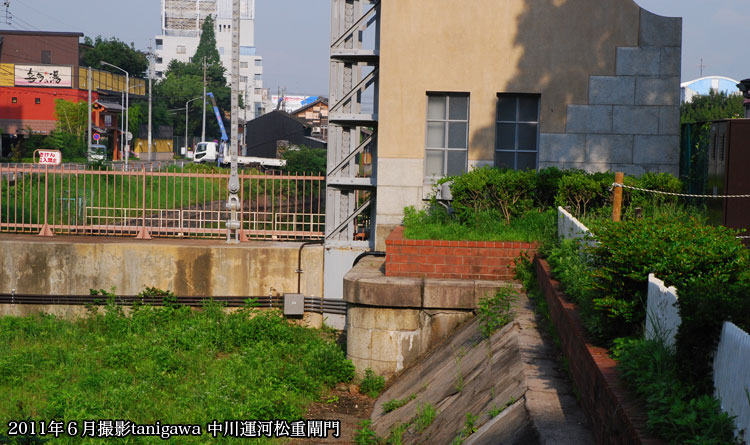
233	185
203	132
88	84
150	74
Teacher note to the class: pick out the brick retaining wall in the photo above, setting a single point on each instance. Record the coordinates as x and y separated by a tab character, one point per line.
465	260
616	417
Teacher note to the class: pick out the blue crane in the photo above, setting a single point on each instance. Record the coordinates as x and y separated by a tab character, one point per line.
224	137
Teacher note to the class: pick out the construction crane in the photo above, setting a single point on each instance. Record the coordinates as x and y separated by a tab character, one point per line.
224	137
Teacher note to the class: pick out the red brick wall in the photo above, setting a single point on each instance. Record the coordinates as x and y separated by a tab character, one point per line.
466	260
616	417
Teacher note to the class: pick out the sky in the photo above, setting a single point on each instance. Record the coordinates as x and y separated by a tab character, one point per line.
293	38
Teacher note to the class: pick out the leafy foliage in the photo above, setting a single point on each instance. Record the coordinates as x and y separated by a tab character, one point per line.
168	363
395	404
674	414
306	160
676	251
372	383
426	414
715	105
496	311
579	189
492	190
117	53
704	305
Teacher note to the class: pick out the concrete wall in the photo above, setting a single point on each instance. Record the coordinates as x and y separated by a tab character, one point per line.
73	265
607	73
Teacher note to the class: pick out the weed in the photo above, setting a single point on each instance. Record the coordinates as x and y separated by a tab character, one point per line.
365	435
470	428
496	311
332	399
395	404
426	414
372	383
397	434
497	410
457	356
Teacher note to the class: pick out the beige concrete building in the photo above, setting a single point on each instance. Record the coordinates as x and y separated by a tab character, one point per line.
591	84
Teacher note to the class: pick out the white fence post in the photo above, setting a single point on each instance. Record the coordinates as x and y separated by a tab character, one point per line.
732	375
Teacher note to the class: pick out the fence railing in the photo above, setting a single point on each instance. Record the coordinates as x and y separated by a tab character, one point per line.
165	202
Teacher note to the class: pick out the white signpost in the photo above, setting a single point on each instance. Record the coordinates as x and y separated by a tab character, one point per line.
48	157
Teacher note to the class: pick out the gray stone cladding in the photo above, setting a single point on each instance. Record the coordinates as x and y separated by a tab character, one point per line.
631	122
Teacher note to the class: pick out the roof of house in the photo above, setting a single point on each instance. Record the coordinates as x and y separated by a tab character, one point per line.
41	33
322	100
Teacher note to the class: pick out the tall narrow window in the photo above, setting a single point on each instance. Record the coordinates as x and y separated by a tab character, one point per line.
447	134
517	131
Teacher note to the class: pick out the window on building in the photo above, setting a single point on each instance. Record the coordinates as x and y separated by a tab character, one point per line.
447	134
37	101
258	62
159	44
243	64
258	77
181	49
259	91
517	131
221	50
46	56
159	74
247	50
243	79
159	60
14	100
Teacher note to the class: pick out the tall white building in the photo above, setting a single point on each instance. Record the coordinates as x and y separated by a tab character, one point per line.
181	23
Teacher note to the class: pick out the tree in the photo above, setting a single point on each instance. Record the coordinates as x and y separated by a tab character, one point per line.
184	81
305	160
713	106
115	52
70	135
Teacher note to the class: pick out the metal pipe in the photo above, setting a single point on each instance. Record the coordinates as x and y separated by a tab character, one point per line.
299	270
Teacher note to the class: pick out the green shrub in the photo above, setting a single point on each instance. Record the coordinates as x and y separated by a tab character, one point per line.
674	414
579	190
395	404
704	306
426	413
365	434
675	251
487	189
372	383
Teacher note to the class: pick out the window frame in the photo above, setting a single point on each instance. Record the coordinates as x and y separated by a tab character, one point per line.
517	122
430	179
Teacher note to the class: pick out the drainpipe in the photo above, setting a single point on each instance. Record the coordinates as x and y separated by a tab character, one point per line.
299	270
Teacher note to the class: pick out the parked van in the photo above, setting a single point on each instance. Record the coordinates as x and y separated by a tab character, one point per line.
97	153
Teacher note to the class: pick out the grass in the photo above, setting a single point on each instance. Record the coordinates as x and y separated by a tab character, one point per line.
170	364
395	404
439	225
496	311
372	383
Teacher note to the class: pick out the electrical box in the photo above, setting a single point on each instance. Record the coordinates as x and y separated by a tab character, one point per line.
294	304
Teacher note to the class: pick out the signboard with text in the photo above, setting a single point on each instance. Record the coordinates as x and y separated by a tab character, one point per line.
44	76
48	157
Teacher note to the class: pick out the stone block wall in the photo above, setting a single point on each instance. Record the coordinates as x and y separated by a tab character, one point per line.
464	260
631	122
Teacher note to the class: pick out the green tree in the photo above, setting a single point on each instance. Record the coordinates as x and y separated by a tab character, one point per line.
715	105
70	135
116	52
305	160
184	81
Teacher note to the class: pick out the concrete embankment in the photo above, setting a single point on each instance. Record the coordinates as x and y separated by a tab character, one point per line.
510	384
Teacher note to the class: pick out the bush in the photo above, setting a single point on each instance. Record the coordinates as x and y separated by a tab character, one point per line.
674	414
675	251
305	160
579	190
486	189
704	305
496	311
372	383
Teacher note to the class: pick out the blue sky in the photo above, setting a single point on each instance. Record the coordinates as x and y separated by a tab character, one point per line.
293	35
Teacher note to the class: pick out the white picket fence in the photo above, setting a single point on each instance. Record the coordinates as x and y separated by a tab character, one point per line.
662	314
732	359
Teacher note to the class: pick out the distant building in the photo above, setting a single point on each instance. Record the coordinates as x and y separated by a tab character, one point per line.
38	67
273	132
181	23
705	85
315	115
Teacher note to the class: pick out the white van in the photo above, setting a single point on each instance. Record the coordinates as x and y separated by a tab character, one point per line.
97	153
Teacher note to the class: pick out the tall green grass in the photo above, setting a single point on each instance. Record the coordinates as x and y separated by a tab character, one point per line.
170	364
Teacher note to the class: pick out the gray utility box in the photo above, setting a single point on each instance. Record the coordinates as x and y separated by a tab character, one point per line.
294	304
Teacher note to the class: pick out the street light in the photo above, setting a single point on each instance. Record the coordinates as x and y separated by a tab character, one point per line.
127	103
186	120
